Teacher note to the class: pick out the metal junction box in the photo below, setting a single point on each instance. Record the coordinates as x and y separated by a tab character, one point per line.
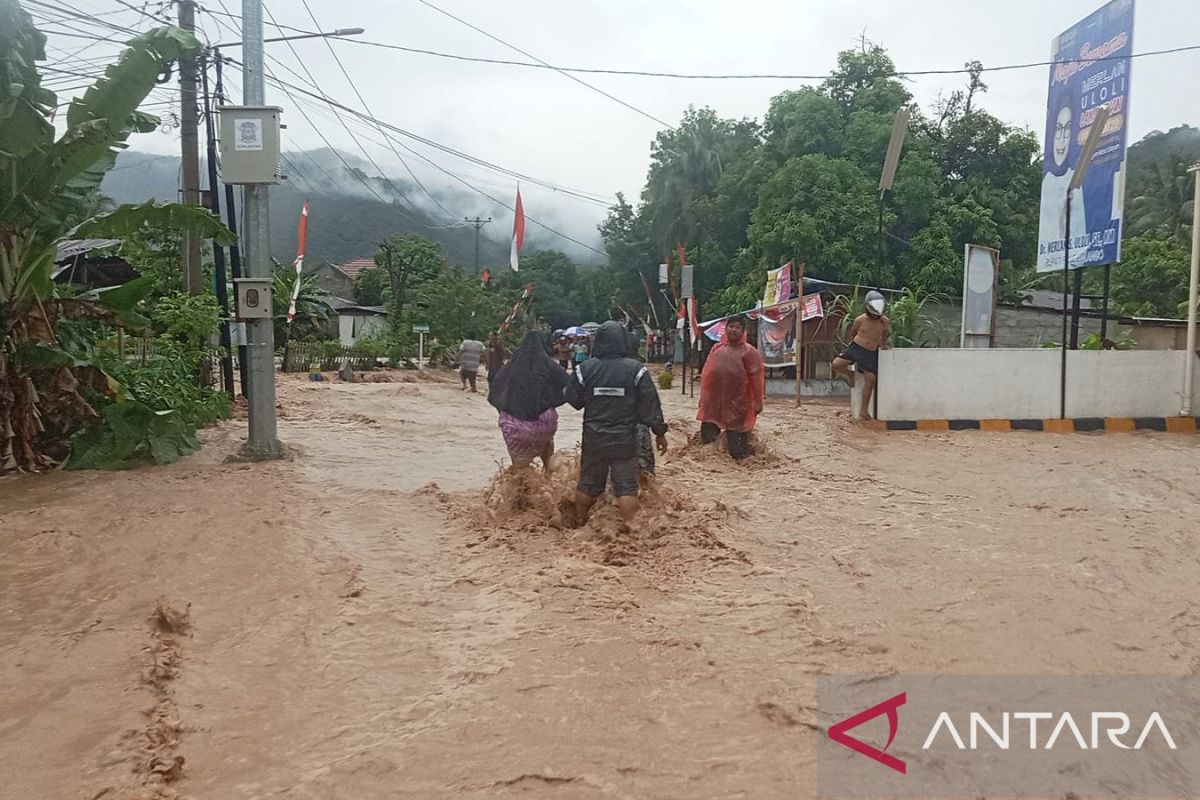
254	298
250	144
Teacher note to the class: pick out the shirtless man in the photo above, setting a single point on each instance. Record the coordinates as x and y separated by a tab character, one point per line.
869	334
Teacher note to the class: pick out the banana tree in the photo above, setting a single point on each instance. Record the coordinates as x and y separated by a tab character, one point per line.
46	188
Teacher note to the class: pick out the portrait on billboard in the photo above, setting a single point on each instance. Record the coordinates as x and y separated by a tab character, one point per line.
1090	71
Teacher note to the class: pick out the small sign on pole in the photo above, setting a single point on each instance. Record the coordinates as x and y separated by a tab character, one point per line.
686	289
420	330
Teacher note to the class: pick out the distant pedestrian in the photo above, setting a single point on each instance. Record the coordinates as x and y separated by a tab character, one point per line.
562	350
617	395
470	352
527	392
495	355
731	390
580	350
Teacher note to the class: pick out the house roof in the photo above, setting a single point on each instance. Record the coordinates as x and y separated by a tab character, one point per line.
357	265
363	310
70	248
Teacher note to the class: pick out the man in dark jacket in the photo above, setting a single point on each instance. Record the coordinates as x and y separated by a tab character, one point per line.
617	395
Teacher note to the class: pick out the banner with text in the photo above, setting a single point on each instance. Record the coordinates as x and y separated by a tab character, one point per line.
1091	69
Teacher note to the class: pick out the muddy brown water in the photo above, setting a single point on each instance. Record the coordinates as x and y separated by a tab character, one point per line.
381	616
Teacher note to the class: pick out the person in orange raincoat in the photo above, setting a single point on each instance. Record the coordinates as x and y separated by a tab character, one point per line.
731	390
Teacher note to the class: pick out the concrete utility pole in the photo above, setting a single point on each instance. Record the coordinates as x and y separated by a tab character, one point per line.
260	333
478	223
1189	369
189	123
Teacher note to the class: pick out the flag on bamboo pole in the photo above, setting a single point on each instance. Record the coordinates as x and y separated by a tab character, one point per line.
649	297
302	238
525	295
518	237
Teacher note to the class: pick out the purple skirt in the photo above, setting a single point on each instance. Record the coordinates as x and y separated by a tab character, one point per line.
527	439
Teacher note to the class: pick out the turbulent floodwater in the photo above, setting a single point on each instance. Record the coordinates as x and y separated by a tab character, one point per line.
391	613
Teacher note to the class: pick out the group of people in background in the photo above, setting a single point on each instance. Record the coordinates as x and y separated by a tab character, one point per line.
571	349
622	412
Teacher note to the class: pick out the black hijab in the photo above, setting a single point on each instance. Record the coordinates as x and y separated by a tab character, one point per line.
531	382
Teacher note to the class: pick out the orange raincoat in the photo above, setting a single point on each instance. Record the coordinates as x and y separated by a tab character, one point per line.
731	387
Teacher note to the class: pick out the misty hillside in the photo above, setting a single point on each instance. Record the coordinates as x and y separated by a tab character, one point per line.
346	219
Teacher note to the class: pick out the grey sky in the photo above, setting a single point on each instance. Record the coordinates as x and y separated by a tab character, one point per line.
543	124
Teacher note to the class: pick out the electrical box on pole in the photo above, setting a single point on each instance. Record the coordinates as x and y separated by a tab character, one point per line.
250	144
254	298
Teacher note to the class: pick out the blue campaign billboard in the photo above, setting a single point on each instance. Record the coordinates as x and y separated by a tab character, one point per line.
1090	70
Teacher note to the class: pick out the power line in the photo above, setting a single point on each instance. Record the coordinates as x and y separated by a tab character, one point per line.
367	107
144	12
68	12
284	86
590	197
743	76
578	80
505	205
353	138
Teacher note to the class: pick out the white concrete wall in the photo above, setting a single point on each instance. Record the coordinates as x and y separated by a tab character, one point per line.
352	327
812	387
918	383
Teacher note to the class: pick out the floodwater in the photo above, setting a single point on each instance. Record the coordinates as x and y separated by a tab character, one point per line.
383	615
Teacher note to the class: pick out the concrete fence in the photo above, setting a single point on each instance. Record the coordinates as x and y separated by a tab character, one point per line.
921	384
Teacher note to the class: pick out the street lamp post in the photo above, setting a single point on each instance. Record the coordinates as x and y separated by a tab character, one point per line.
1189	368
1095	133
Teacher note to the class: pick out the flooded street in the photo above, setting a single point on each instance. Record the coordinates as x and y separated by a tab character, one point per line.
375	617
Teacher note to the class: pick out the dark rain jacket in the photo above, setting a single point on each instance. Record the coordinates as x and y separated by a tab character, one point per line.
616	394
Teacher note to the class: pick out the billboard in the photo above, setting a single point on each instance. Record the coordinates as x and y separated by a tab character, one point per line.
1091	69
981	284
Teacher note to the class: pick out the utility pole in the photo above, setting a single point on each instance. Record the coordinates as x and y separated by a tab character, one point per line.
478	223
189	123
222	289
260	333
235	257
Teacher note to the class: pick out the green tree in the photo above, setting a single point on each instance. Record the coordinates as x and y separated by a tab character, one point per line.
409	261
1159	190
372	287
1152	278
822	211
556	298
456	306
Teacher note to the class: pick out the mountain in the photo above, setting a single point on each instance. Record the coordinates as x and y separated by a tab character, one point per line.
346	218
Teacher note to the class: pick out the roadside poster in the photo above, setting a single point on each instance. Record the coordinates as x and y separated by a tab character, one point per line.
1091	69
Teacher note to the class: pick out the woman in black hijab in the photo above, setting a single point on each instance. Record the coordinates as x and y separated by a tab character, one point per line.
527	391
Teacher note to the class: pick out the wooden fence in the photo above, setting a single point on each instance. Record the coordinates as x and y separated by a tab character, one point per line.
326	356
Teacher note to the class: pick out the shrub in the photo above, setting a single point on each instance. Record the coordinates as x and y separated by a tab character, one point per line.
665	379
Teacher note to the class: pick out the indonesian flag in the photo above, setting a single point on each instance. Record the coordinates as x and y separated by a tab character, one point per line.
518	238
302	238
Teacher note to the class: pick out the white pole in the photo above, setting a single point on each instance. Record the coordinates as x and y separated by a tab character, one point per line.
1189	368
420	349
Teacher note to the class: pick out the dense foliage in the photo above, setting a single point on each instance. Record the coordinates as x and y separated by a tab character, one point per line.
65	389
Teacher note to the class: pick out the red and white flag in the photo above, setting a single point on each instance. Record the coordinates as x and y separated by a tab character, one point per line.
302	238
518	238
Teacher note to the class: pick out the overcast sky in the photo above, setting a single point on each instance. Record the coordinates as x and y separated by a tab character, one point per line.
548	126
